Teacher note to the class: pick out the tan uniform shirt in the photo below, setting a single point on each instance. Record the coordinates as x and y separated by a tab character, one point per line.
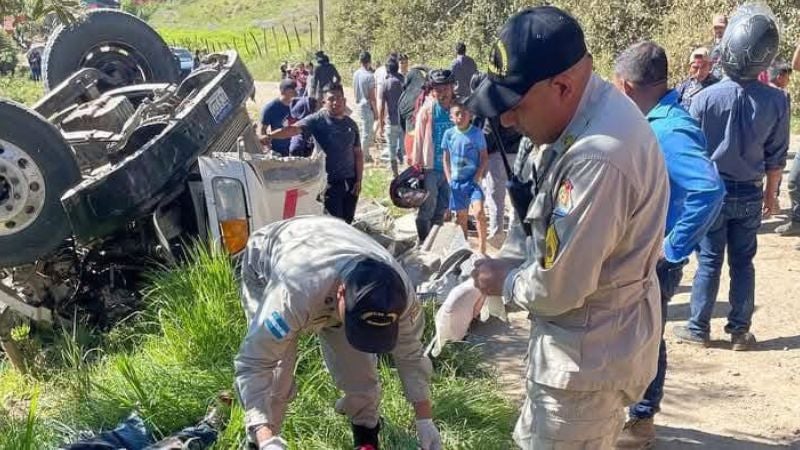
289	271
589	278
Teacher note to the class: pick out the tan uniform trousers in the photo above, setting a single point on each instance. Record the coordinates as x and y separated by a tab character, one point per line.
557	419
354	373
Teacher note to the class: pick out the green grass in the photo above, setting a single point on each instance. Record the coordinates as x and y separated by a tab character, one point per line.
171	361
230	14
254	28
20	88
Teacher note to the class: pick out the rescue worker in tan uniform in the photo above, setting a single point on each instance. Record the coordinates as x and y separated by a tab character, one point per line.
318	274
590	188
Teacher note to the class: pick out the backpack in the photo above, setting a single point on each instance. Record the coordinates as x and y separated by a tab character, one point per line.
415	88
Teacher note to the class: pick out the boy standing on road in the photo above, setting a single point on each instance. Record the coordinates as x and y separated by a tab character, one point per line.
337	136
465	162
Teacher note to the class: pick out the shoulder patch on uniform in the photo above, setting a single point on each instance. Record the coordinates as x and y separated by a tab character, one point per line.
563	199
277	326
552	245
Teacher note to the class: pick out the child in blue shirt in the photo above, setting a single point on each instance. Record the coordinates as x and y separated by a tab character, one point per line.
465	163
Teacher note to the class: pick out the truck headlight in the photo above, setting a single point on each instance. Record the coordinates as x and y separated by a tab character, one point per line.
231	206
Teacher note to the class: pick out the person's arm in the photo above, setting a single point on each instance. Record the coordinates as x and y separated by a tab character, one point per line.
359	161
446	163
689	167
286	132
775	151
547	286
413	367
263	127
484	165
270	335
420	132
373	104
381	106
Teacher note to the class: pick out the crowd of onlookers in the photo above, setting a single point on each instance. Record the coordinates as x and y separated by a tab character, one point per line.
480	189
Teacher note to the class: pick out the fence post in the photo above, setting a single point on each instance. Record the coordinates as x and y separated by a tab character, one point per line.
311	33
255	42
264	37
275	38
297	34
286	33
246	47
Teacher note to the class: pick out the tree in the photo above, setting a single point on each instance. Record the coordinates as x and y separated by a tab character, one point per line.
37	9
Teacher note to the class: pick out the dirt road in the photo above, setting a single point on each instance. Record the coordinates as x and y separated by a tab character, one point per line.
714	398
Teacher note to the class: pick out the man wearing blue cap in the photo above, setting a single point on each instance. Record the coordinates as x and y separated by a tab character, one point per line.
590	189
317	274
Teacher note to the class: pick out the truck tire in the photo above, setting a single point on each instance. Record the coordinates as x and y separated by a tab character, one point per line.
36	168
117	43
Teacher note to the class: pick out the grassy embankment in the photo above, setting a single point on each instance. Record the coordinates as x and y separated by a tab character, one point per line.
170	361
254	28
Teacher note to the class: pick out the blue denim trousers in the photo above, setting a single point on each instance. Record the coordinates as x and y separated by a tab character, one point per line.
736	229
431	212
669	278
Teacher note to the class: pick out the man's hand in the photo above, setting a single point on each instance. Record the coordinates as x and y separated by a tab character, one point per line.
771	206
264	139
490	275
356	188
274	443
428	435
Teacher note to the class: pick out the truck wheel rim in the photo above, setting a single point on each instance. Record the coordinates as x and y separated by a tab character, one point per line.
22	189
125	65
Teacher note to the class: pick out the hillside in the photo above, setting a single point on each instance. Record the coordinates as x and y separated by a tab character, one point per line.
230	14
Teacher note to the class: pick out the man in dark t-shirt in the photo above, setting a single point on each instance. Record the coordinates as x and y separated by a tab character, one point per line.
274	117
463	69
337	135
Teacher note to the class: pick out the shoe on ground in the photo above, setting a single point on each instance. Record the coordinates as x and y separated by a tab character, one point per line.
637	434
685	335
741	342
788	229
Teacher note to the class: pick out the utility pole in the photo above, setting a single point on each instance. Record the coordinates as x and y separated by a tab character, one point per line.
321	21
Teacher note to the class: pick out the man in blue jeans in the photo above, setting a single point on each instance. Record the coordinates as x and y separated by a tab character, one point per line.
746	123
433	119
696	193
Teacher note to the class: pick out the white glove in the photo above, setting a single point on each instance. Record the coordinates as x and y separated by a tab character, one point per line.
274	443
428	435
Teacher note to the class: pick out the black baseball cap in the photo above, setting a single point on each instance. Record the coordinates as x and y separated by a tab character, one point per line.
441	77
376	297
535	44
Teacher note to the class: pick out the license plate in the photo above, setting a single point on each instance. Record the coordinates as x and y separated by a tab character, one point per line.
219	105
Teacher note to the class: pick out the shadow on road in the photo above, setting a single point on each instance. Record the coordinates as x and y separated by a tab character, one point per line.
683	438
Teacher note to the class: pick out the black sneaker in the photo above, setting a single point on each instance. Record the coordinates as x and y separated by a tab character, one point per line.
684	334
788	229
366	438
741	342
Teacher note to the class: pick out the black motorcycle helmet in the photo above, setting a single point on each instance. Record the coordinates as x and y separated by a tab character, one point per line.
407	190
749	46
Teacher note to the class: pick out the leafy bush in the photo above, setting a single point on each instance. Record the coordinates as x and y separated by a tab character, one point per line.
427	30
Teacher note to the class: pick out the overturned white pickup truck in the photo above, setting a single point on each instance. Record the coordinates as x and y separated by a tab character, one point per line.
119	166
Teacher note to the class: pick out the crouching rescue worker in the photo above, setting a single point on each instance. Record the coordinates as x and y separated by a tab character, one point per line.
590	188
317	274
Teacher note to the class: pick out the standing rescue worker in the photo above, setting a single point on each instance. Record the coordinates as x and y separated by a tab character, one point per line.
695	199
317	274
591	189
